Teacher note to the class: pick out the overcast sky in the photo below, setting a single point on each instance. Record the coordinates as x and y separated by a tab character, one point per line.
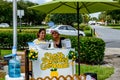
37	1
40	1
95	14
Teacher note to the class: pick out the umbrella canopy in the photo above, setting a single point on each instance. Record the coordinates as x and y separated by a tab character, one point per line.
84	6
77	6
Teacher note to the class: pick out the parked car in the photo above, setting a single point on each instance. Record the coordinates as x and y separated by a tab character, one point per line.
4	25
65	30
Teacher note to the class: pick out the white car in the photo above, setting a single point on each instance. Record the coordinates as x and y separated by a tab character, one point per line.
65	30
4	25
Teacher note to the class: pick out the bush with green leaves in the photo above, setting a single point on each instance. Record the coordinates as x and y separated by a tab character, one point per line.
91	48
82	26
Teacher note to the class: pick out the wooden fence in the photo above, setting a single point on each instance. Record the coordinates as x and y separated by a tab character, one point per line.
61	77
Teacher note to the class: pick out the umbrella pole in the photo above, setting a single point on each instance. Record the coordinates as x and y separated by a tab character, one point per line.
78	39
15	24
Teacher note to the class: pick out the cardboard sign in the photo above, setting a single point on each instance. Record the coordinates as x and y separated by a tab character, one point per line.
66	43
52	62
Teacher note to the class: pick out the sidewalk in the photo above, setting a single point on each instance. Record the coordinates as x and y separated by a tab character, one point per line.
112	56
112	51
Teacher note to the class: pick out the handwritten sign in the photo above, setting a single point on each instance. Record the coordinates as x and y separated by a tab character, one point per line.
56	60
52	62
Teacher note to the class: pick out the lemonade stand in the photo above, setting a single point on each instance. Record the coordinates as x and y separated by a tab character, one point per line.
52	62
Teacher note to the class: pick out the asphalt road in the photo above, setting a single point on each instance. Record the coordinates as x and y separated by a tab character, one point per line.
110	36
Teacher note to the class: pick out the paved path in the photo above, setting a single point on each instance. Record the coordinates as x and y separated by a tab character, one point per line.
112	56
112	51
110	36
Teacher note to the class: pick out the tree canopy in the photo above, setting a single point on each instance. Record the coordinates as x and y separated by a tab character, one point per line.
30	16
115	14
68	19
110	16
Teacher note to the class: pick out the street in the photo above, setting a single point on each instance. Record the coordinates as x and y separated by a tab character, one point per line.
110	36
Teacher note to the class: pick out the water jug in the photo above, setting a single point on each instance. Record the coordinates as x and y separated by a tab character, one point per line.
14	50
14	67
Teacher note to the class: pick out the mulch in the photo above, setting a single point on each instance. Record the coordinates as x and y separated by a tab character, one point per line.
2	74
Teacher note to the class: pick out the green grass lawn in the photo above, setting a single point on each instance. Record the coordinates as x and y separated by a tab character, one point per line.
5	52
115	27
102	72
2	79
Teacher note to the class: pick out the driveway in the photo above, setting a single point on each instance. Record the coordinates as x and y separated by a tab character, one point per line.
110	36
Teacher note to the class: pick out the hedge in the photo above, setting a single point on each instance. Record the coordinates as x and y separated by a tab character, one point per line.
91	48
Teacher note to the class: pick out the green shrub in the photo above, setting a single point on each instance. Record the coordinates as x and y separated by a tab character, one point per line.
91	49
81	26
87	28
23	38
6	39
88	33
113	24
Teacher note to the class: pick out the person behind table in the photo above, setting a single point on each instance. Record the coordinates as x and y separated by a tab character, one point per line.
57	39
40	36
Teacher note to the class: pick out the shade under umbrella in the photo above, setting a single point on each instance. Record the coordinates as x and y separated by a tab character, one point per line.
77	6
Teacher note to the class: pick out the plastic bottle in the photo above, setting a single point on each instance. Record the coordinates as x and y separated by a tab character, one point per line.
14	67
51	44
